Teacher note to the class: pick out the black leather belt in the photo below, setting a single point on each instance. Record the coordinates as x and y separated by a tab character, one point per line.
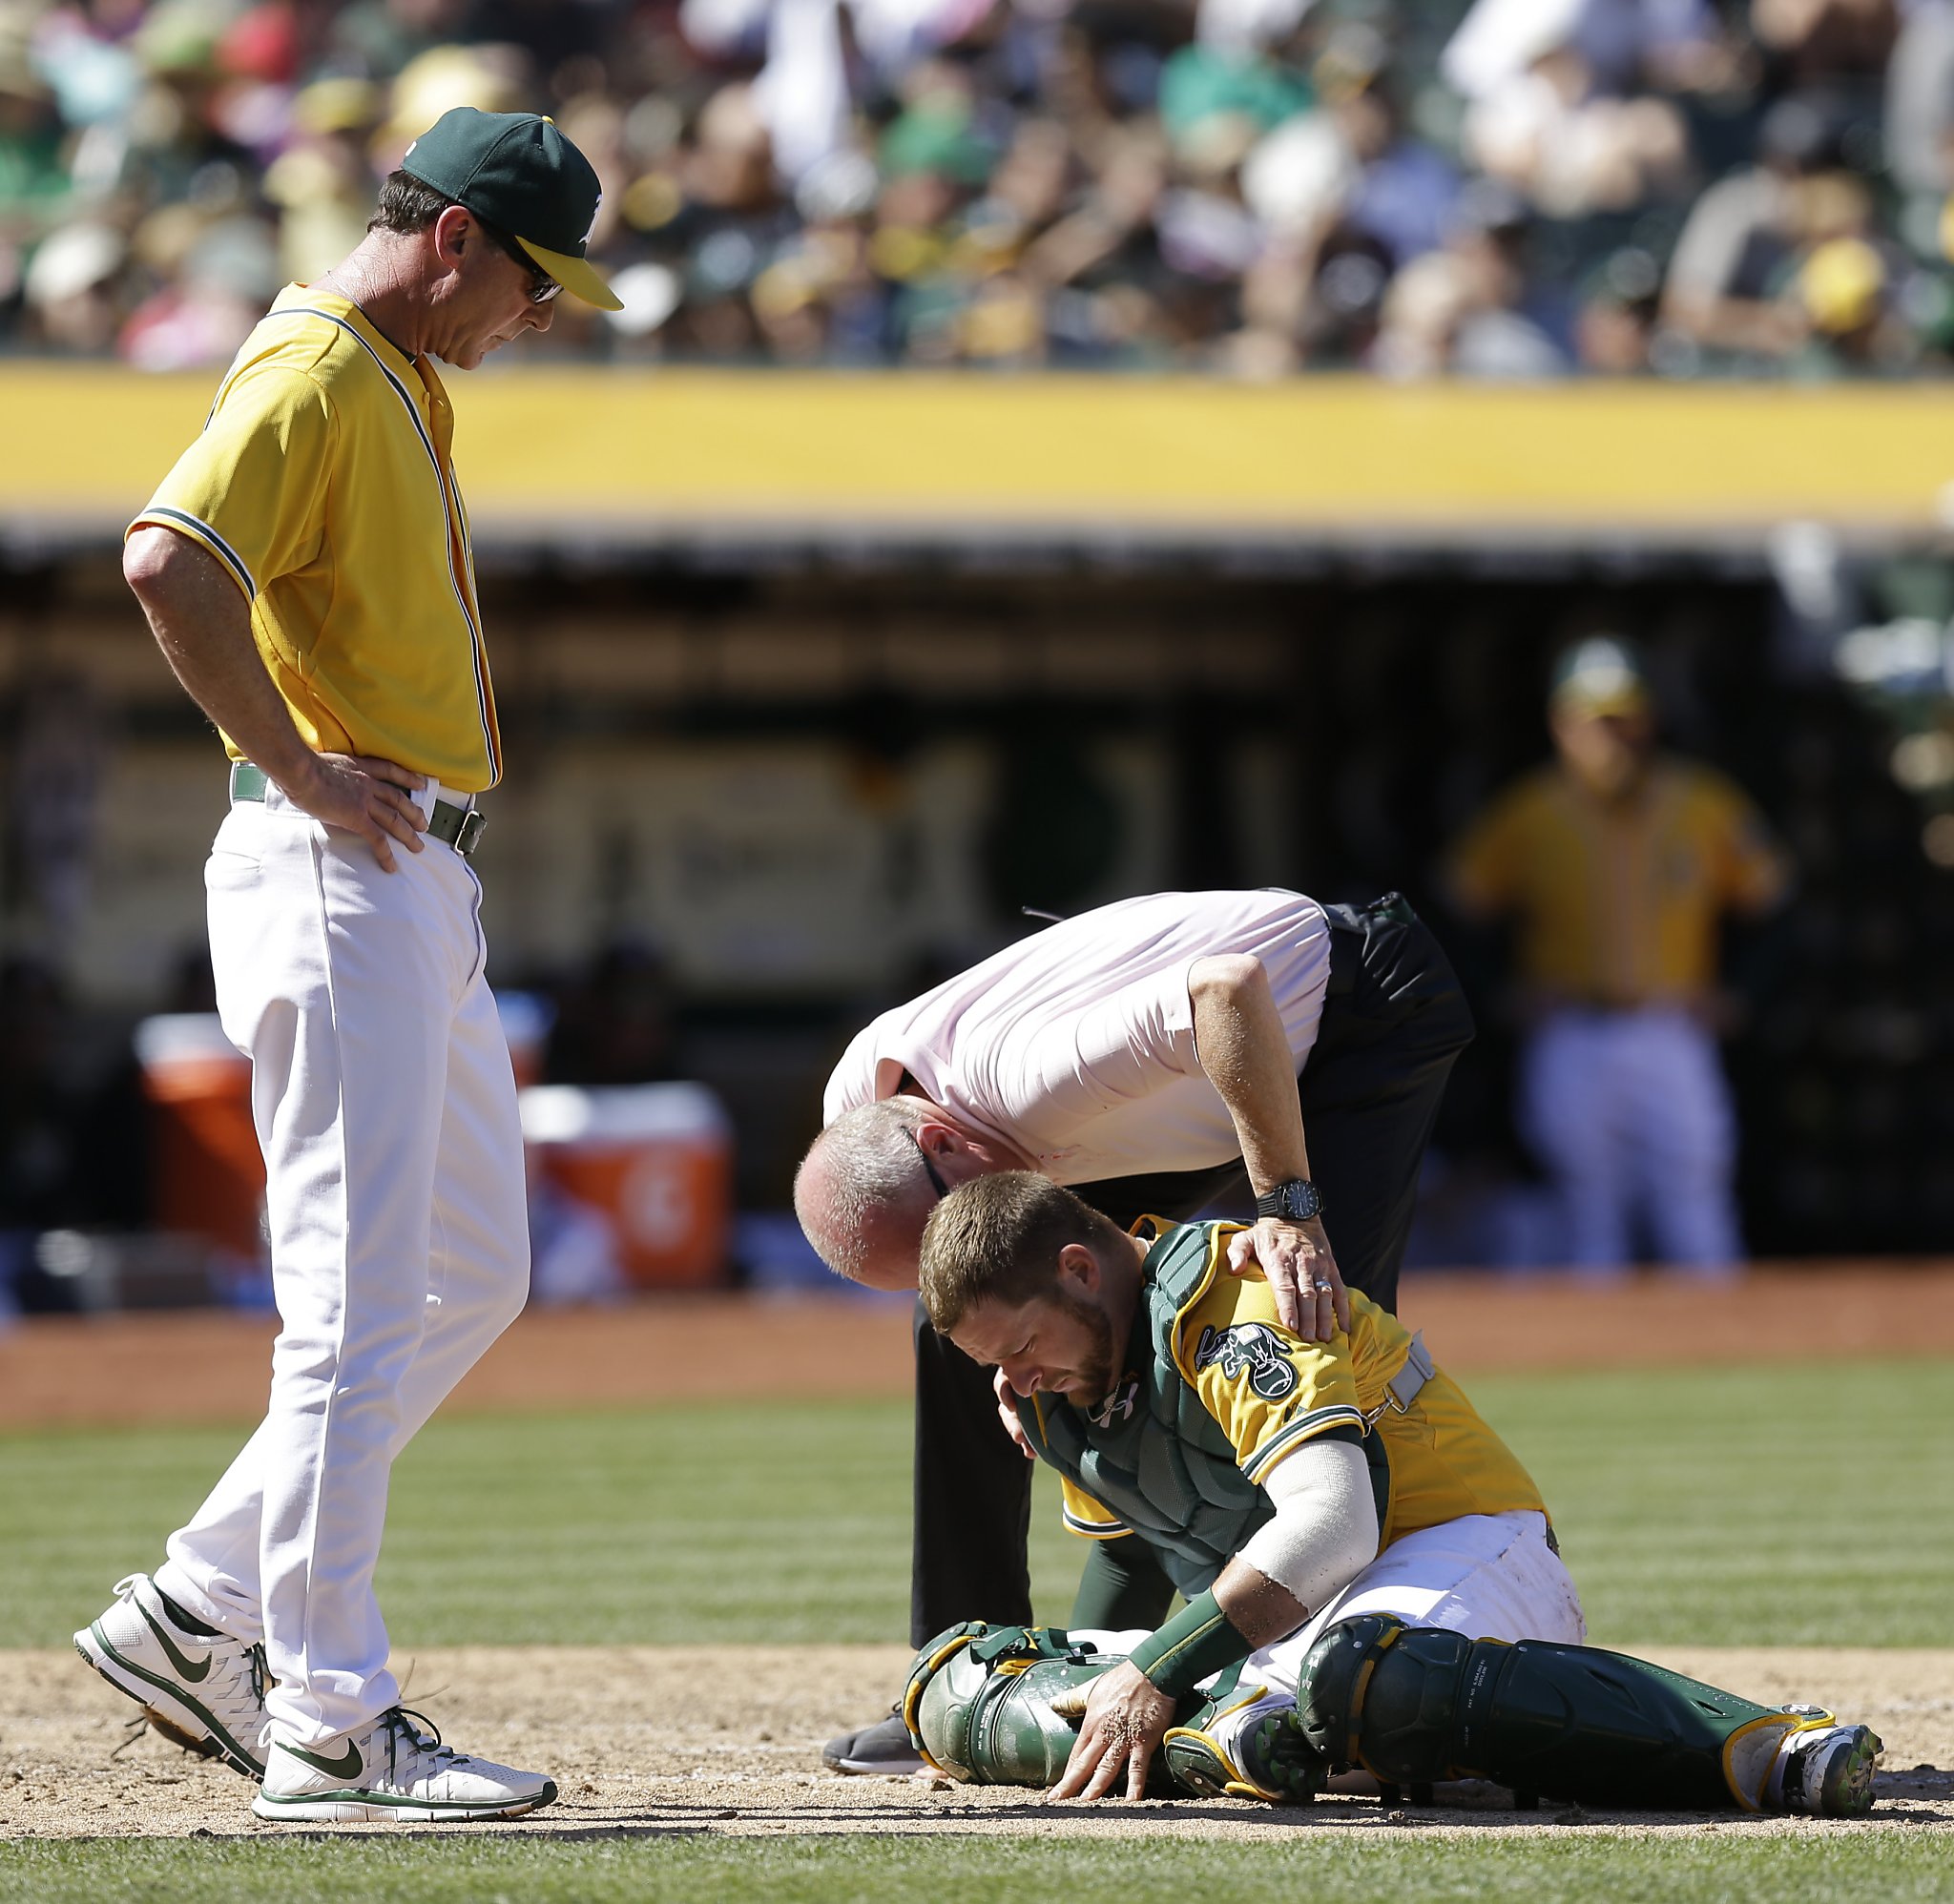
456	826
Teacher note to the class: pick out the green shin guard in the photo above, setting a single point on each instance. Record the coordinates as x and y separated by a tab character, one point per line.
1002	1704
1416	1705
979	1702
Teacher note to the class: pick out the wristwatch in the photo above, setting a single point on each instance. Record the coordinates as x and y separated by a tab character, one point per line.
1297	1199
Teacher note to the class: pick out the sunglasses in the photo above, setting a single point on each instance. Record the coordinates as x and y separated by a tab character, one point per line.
943	1189
542	286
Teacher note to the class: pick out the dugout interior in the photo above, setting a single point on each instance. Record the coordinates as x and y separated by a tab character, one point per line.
770	788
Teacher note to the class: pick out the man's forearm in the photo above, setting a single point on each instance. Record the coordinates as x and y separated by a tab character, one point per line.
1243	1610
1244	1052
203	627
1261	1609
1323	1533
1245	1055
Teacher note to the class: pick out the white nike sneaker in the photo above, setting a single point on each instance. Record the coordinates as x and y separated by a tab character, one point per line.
205	1693
393	1771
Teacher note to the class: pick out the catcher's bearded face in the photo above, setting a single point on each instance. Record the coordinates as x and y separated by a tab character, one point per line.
1058	1344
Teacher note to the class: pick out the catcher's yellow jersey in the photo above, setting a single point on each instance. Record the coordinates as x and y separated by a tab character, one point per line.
1271	1392
1616	905
325	486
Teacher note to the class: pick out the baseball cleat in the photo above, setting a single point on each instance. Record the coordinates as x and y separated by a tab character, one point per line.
392	1772
205	1692
1825	1771
1196	1763
1272	1762
883	1747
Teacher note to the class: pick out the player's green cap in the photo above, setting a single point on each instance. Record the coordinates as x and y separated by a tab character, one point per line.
1600	676
518	173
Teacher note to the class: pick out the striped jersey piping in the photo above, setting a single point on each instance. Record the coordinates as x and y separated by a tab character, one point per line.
1306	1428
1092	1530
203	531
451	506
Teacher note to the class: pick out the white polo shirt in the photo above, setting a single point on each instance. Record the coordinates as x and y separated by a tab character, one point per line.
1077	1044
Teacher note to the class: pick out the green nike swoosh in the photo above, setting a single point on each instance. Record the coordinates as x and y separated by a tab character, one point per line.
191	1670
348	1763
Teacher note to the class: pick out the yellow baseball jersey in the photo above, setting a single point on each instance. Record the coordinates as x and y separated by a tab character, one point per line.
1272	1393
1617	903
323	482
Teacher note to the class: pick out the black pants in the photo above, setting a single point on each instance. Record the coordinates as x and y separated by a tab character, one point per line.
1393	1022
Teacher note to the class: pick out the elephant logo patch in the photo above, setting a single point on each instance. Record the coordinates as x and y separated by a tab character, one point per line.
1253	1349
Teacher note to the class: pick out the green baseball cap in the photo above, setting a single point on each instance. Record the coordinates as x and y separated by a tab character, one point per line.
519	173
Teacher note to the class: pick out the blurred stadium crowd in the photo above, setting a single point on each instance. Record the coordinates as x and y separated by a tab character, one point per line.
1486	188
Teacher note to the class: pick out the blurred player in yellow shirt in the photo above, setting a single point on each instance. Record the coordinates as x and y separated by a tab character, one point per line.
1616	864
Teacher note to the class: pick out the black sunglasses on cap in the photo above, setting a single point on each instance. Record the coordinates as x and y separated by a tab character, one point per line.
542	286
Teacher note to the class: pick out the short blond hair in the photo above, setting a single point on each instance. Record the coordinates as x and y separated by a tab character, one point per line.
997	1239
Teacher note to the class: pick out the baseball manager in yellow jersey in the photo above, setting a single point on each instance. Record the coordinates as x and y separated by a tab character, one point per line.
1615	863
307	570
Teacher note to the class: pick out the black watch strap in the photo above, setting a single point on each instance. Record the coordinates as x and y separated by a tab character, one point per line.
1297	1199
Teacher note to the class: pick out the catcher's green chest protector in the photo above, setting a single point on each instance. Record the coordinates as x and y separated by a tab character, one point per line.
1151	1452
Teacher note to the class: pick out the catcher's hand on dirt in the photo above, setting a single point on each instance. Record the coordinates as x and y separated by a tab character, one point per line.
1127	1716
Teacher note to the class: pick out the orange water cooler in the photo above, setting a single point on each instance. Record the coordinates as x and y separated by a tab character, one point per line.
656	1159
206	1174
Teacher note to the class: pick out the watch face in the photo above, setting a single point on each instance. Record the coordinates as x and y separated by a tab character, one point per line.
1299	1202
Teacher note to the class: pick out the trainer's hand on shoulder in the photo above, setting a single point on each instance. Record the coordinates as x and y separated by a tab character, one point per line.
1301	1270
1127	1716
1008	1413
365	796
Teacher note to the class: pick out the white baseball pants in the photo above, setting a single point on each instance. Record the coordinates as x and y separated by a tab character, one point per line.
1631	1112
1488	1576
385	1106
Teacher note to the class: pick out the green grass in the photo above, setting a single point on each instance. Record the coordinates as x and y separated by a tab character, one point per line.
1749	1506
1755	1505
1797	1505
1325	1867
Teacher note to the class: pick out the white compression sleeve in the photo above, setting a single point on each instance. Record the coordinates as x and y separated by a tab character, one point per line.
1326	1528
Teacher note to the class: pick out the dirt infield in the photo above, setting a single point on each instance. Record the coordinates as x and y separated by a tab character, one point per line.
212	1365
657	1740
